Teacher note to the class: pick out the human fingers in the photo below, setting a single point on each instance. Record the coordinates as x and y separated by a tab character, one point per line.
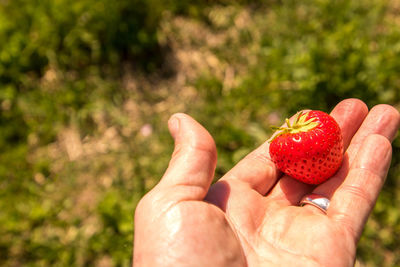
349	114
191	168
353	201
256	169
383	120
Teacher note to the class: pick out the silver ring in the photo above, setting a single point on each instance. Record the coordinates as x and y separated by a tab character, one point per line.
317	201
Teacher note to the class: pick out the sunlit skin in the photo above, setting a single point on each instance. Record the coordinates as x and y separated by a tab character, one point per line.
251	217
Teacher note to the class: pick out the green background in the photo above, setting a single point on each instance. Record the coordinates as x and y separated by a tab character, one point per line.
87	87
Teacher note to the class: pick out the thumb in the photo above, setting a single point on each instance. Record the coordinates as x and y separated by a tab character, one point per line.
193	161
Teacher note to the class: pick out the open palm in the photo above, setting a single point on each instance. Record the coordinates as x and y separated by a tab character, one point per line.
251	217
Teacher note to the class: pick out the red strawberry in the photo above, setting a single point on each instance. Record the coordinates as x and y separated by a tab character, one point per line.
309	150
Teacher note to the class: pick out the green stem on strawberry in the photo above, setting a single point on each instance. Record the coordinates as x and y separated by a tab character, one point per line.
301	124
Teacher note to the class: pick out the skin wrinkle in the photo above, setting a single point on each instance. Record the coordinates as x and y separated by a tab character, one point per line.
356	190
269	171
172	258
365	163
370	172
185	153
175	204
279	176
190	149
253	250
161	209
233	222
165	200
359	192
263	157
191	190
380	120
238	234
362	165
263	171
351	250
159	215
343	220
277	247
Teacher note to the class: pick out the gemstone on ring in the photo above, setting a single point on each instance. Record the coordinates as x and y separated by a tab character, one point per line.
317	201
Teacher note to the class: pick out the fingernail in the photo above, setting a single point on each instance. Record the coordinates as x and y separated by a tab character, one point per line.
173	125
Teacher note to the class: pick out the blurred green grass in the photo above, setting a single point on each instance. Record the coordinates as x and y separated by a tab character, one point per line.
86	89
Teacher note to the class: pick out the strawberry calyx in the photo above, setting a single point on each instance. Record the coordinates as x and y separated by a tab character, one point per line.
301	124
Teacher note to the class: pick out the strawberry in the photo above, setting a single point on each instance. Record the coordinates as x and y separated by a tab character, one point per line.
310	149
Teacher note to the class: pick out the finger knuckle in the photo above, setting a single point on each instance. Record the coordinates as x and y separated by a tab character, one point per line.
359	194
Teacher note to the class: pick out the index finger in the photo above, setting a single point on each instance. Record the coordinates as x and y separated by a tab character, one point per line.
256	169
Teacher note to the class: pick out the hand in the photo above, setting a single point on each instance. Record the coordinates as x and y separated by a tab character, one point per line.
251	217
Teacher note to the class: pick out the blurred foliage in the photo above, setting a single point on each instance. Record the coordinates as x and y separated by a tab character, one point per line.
86	88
